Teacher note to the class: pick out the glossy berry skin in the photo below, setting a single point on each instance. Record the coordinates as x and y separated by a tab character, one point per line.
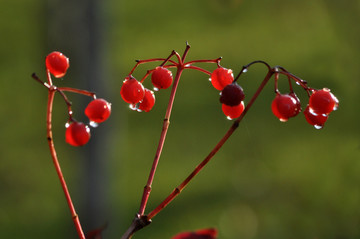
132	91
57	63
232	94
232	112
323	101
221	77
77	134
148	101
161	78
285	106
210	233
98	110
317	120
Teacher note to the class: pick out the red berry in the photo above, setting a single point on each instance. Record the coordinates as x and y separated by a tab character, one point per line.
77	134
233	112
98	110
161	78
132	91
221	77
317	120
232	94
285	106
323	101
57	64
148	101
210	233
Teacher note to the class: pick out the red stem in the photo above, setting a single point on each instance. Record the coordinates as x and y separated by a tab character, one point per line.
51	93
147	188
74	215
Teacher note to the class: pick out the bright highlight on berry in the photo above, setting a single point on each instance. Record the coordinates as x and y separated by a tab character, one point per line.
77	134
98	110
57	64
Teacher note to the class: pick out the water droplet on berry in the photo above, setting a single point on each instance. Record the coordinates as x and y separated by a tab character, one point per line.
229	118
210	79
156	89
283	119
318	126
93	124
133	106
67	124
139	110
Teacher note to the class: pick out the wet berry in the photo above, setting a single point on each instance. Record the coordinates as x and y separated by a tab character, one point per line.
77	134
221	77
57	63
317	120
323	101
285	106
232	94
98	110
148	101
161	78
132	91
232	112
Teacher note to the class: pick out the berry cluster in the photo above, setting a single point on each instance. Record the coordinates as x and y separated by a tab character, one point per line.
232	95
98	110
141	98
321	104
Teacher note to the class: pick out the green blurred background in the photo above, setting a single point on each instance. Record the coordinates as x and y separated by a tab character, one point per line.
270	180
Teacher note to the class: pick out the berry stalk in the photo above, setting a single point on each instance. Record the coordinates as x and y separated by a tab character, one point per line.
217	147
74	215
51	93
147	188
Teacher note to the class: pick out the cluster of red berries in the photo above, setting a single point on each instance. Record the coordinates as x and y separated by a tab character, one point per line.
321	104
143	99
232	95
98	110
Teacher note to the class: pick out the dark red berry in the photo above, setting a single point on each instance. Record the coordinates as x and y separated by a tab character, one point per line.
317	120
232	94
285	106
132	91
232	112
221	77
98	110
148	101
323	101
161	78
77	134
57	64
